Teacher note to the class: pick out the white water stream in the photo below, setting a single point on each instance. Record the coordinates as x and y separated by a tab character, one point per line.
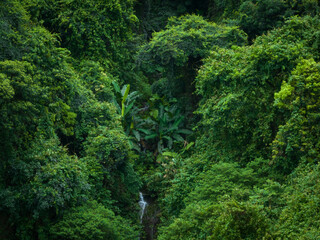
143	204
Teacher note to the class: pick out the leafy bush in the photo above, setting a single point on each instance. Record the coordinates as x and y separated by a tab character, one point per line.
228	219
300	218
92	221
298	137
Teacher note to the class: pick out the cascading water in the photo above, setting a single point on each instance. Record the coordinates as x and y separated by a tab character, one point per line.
143	204
149	217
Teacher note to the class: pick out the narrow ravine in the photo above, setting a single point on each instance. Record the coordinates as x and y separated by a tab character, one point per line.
149	216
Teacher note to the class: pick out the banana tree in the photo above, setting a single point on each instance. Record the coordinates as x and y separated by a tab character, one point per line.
164	128
125	103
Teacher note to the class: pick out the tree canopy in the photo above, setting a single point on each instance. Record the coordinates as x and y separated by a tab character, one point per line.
208	109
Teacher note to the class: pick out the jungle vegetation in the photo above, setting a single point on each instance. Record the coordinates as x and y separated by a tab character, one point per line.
210	108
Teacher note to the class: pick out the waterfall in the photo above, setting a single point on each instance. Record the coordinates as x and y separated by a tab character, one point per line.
143	205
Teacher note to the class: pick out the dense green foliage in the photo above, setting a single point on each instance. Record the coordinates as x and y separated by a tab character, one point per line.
211	108
61	139
173	55
92	221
